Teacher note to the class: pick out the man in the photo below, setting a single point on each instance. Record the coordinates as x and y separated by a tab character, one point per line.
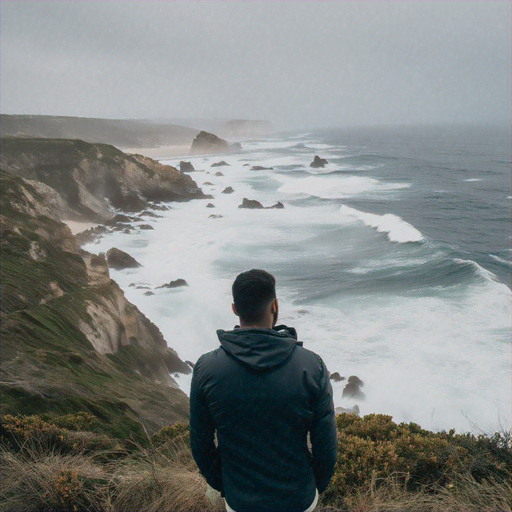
261	392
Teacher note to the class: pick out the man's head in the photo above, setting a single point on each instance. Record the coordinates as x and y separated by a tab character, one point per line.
254	298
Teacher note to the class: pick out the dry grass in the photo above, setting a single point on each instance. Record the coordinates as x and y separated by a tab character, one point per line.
164	478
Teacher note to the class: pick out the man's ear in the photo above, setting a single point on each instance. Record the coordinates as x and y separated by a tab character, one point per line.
234	309
274	306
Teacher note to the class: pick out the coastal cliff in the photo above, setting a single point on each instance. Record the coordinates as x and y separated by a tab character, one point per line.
70	339
81	181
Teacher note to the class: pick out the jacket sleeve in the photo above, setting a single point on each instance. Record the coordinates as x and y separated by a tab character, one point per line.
202	432
323	435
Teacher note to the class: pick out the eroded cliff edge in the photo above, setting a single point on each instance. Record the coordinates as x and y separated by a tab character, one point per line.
70	339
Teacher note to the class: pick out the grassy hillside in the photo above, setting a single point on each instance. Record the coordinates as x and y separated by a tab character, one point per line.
49	330
122	133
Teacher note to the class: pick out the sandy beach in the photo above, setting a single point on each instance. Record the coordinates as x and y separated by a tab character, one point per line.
160	153
77	227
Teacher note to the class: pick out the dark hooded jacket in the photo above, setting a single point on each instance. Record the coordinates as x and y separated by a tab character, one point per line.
261	392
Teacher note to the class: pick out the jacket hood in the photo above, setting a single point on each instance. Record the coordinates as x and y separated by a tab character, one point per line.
261	349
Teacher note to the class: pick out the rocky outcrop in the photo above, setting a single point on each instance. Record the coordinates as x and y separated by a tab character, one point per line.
81	181
120	260
206	143
63	315
318	162
218	173
261	168
174	284
220	164
256	205
348	410
228	190
353	388
186	167
336	377
251	203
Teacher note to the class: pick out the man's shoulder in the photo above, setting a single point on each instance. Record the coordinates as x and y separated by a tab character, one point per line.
309	355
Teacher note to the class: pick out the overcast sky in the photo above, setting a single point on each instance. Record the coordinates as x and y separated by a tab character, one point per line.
297	63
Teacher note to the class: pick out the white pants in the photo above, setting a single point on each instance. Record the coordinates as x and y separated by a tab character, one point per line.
309	509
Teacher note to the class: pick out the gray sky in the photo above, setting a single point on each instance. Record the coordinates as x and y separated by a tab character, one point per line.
297	63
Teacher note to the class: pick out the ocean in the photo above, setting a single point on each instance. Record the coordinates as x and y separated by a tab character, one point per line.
393	262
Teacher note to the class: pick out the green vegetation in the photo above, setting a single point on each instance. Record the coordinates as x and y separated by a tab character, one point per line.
65	463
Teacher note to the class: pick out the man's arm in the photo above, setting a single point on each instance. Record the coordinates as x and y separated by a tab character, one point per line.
323	435
202	432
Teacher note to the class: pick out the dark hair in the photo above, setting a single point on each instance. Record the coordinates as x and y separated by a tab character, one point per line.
253	291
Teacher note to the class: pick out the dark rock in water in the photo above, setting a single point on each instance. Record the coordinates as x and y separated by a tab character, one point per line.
228	190
119	260
143	288
149	293
251	203
147	213
210	205
127	231
186	167
119	218
206	142
300	145
218	173
318	162
215	216
219	164
146	226
160	207
353	389
260	168
90	235
121	227
190	363
131	285
236	146
356	380
278	206
174	284
336	377
344	410
207	183
246	165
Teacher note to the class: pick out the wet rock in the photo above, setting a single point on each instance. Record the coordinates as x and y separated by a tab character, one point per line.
127	231
120	260
219	164
129	202
210	205
218	173
146	226
120	218
149	293
143	288
147	213
235	146
260	168
91	235
278	206
318	162
228	190
215	216
174	284
353	389
251	203
160	207
336	377
186	167
207	183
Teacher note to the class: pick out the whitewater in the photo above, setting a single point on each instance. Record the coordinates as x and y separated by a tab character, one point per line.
376	283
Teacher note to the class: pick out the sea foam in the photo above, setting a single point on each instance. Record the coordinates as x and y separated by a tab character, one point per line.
394	226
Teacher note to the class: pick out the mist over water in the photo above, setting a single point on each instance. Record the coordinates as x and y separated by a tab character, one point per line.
393	263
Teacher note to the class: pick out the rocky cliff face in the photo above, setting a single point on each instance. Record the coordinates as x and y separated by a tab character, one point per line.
81	181
70	339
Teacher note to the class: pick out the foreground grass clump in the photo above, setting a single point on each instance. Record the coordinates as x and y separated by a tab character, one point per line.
60	463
